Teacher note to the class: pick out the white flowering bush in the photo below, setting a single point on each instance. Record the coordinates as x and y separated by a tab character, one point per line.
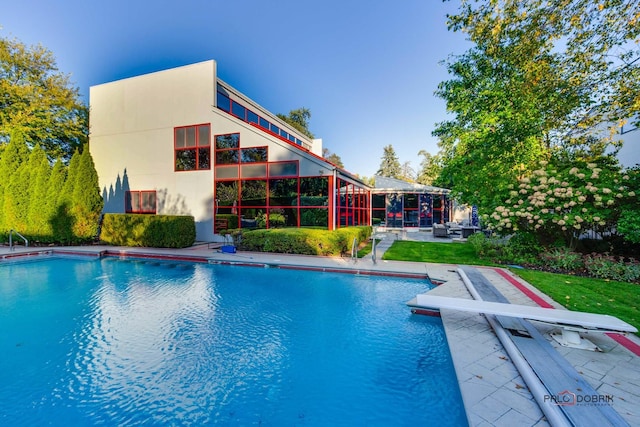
562	202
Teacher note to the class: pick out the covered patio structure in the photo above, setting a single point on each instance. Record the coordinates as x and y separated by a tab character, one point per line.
401	204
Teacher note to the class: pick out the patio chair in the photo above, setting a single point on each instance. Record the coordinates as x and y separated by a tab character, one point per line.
440	230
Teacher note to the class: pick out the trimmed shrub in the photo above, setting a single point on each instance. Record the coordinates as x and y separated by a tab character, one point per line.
303	241
154	231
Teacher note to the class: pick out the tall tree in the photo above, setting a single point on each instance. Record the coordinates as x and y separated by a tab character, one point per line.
13	192
64	220
299	119
37	222
544	76
407	173
55	213
86	200
390	165
332	157
430	168
39	101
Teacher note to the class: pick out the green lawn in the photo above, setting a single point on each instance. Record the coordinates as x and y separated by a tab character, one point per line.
576	293
366	249
619	299
446	253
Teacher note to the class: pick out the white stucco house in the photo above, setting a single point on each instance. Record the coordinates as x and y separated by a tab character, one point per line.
181	141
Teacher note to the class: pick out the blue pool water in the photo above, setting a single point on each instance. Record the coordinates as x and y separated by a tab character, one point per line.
112	342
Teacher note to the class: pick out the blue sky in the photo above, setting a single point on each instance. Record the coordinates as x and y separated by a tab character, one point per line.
366	70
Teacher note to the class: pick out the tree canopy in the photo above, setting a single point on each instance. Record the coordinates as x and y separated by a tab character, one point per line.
38	101
299	119
332	157
390	165
544	78
430	168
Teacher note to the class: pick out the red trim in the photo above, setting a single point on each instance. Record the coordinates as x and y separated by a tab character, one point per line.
126	254
525	290
268	131
355	272
332	203
69	252
25	254
238	264
138	194
426	312
195	148
620	339
625	342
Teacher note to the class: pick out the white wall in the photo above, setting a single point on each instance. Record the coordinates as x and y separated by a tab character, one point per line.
132	141
629	154
131	138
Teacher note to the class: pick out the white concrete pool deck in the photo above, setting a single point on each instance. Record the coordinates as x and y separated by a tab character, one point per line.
493	391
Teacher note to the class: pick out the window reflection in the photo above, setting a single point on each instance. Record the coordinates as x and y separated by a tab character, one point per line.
192	147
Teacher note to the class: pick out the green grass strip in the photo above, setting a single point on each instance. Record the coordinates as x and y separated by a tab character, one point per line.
590	295
446	253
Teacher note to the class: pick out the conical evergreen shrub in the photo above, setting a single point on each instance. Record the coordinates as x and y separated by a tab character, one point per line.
38	226
55	212
14	176
86	200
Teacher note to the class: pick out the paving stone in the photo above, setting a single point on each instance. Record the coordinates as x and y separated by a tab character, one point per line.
514	418
524	404
474	393
491	408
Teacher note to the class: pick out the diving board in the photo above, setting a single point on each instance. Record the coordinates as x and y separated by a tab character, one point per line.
565	318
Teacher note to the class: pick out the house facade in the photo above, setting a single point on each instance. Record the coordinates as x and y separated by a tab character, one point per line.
183	142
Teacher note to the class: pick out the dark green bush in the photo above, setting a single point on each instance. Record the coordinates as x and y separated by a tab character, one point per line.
485	247
521	248
303	241
562	259
614	268
155	231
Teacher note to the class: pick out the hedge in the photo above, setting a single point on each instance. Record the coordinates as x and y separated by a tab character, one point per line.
303	241
154	231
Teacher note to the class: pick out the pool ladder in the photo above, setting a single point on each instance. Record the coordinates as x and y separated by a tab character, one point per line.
373	248
354	250
12	247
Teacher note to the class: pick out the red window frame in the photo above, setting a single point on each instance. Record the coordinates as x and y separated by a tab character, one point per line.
139	207
199	145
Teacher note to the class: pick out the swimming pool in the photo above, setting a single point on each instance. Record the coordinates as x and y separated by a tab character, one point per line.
127	342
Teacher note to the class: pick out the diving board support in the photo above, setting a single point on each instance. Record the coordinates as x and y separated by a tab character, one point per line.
571	322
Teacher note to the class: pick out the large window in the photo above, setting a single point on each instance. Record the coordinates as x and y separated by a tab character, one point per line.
276	202
314	202
192	146
225	103
229	156
411	210
352	205
254	193
283	192
143	202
